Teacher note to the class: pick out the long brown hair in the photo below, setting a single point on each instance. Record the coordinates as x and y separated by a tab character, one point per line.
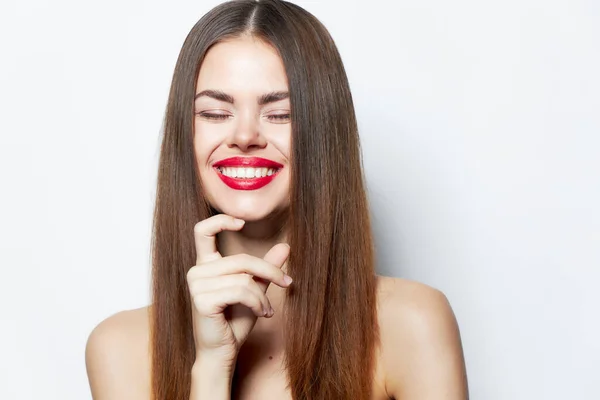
333	298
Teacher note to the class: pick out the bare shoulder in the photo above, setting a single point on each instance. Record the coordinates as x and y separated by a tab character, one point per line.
421	349
117	356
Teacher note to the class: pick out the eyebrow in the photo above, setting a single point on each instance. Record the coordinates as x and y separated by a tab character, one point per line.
266	98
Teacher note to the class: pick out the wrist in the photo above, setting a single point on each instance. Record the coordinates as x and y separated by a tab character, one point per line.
211	379
215	368
220	360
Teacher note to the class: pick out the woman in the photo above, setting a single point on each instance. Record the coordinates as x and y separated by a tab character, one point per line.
260	180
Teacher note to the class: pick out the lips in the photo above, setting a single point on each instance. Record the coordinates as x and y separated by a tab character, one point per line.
256	162
252	162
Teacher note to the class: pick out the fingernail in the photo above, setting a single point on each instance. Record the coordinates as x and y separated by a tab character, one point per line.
239	221
288	279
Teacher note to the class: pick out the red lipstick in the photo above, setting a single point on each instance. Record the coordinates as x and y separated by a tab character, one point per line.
247	183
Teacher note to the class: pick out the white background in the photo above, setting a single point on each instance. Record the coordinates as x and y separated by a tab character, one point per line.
480	129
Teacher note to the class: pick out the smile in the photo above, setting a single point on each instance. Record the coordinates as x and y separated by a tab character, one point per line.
247	173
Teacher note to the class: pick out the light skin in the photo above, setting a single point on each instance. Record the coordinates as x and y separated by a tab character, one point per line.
421	354
241	108
246	71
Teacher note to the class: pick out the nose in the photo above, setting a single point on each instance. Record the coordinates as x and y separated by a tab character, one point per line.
246	135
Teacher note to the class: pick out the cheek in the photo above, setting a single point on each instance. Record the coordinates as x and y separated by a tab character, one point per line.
205	143
282	141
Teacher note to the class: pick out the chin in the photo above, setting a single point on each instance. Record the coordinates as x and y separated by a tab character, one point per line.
251	212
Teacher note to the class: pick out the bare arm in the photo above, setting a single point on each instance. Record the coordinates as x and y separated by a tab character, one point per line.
423	350
210	382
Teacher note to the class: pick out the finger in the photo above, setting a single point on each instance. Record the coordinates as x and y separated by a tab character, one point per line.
237	264
228	282
205	233
277	256
209	304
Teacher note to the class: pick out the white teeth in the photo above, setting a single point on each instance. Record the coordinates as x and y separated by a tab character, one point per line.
248	173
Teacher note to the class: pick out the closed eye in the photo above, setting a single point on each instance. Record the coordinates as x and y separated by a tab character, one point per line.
217	117
222	117
279	117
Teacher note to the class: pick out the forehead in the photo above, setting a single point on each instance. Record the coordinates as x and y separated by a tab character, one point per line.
242	64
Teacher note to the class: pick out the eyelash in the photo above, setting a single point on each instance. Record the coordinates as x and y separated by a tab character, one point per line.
222	117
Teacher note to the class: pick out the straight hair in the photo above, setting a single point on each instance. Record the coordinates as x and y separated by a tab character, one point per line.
333	298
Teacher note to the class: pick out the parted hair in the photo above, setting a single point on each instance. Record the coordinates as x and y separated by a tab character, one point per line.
330	324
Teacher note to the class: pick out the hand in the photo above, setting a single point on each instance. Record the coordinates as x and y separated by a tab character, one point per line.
238	281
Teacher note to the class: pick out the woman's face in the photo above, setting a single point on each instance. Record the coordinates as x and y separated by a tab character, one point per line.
242	129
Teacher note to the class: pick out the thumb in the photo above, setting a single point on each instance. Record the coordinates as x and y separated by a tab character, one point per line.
276	256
